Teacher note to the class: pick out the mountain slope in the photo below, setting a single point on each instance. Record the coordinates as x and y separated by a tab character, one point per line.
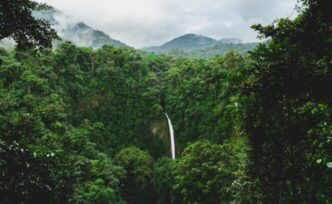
198	46
187	42
77	32
209	52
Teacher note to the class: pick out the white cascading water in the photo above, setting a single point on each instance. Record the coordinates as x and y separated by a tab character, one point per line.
171	134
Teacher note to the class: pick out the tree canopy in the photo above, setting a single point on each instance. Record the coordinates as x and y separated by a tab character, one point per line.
79	125
17	22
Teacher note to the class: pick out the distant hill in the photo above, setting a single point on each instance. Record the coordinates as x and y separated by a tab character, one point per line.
186	42
198	46
75	31
191	42
206	53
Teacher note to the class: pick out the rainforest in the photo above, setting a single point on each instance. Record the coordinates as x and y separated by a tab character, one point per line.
115	124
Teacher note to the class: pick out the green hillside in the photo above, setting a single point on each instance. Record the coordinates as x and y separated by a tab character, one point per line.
198	46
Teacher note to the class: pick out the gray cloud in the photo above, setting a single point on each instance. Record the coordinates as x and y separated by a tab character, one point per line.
151	22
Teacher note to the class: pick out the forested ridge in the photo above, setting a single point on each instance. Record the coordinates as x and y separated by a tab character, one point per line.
79	125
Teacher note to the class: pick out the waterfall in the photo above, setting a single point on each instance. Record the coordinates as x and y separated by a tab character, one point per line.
171	134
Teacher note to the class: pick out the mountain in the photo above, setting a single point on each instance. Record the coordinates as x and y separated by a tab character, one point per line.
209	52
186	42
70	29
199	46
191	42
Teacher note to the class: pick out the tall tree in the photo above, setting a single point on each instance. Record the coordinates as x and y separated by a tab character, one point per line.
16	21
288	107
138	165
205	173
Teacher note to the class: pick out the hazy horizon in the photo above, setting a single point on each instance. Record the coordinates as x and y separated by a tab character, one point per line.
143	23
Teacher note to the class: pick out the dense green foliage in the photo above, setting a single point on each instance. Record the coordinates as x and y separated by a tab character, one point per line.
163	180
136	187
55	104
43	158
201	93
79	125
288	108
125	99
210	52
206	172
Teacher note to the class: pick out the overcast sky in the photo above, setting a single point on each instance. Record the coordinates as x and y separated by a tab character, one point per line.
142	23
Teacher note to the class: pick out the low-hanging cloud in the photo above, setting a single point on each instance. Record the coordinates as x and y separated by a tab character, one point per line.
142	23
